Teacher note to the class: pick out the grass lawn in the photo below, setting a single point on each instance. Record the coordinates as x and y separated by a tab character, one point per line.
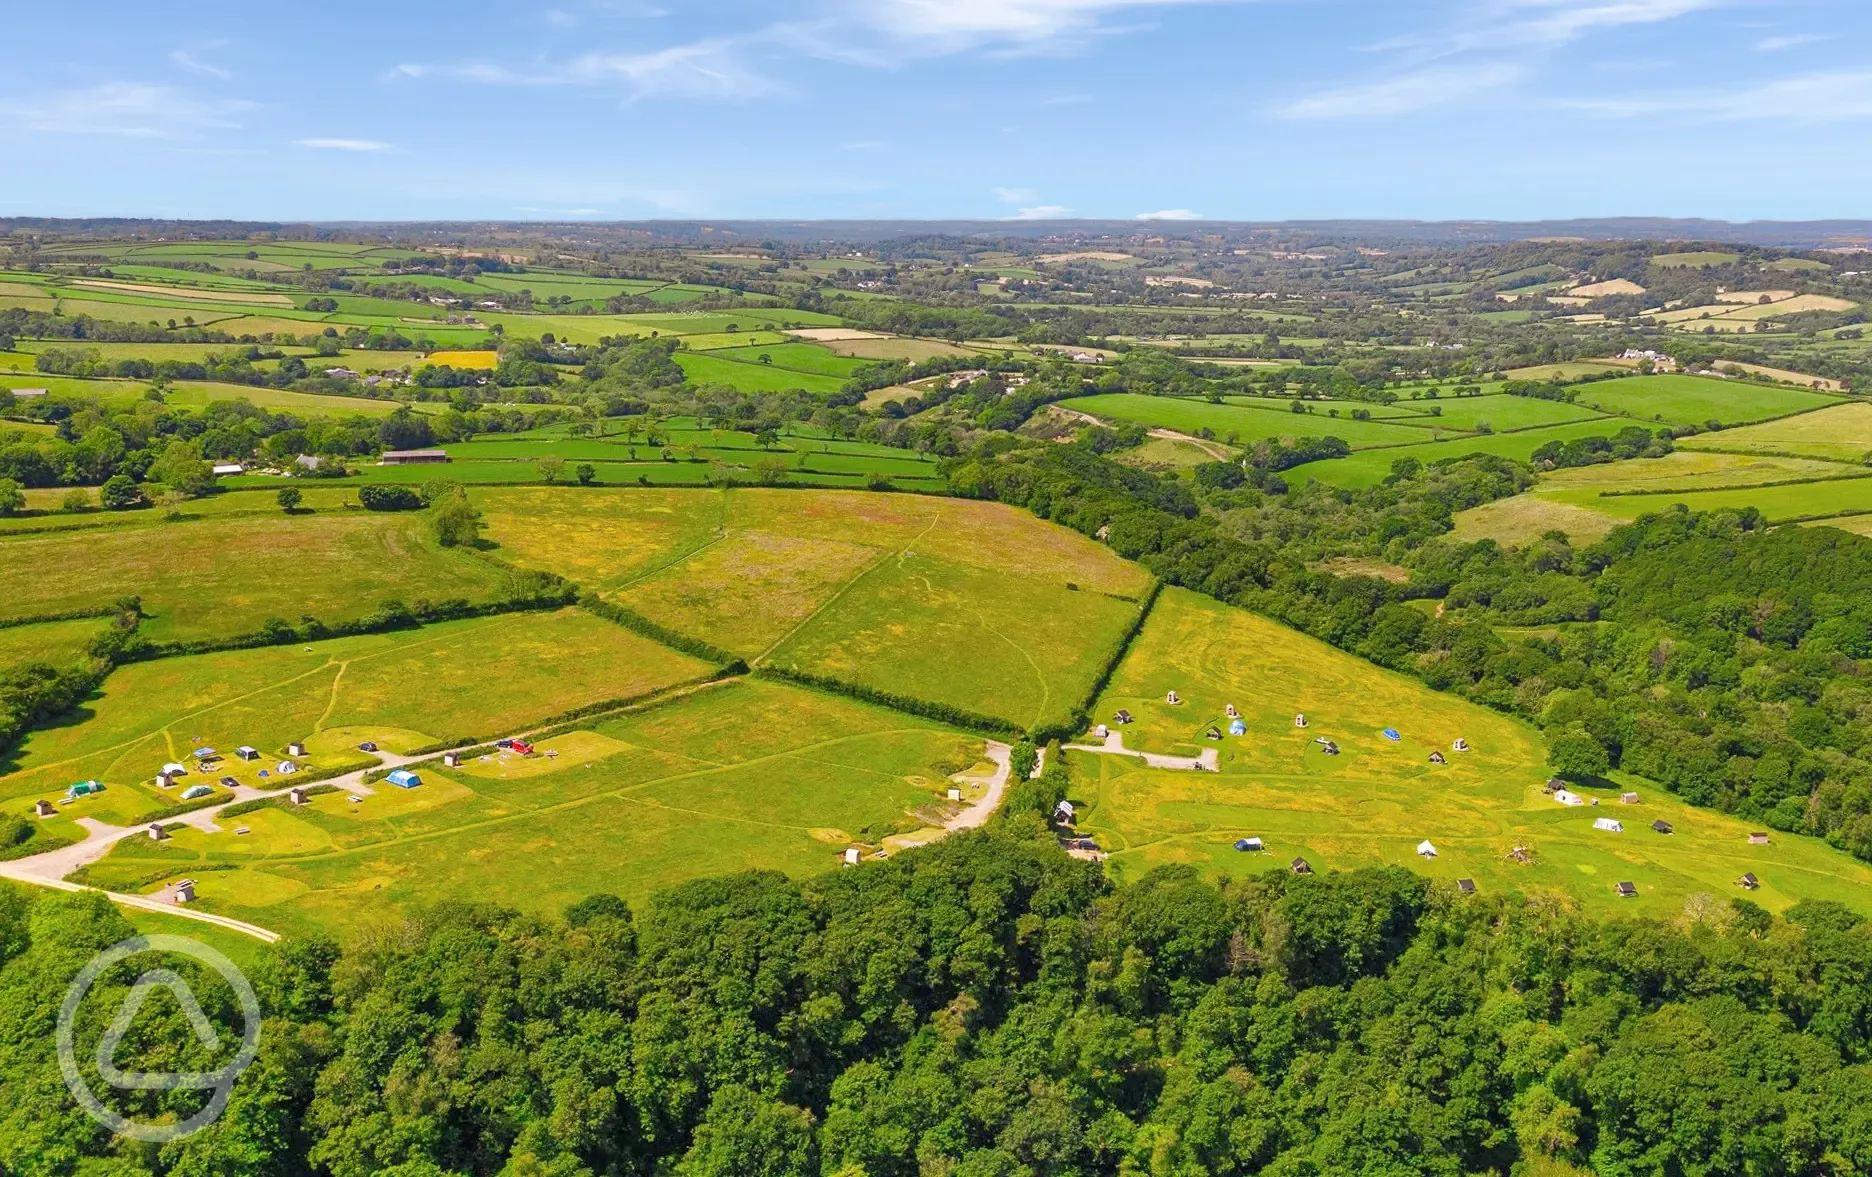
747	775
1842	433
1695	400
56	643
456	682
218	577
1376	801
1245	423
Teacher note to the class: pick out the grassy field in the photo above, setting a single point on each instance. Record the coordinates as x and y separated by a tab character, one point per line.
1801	501
1841	433
1374	803
224	576
1371	467
454	682
748	775
1696	400
1517	521
1241	421
1500	413
56	643
795	357
751	376
957	602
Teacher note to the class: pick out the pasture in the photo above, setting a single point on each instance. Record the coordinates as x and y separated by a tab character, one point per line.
219	577
1376	801
1697	400
55	643
1842	433
1370	468
1240	422
455	682
751	375
1811	500
742	776
964	603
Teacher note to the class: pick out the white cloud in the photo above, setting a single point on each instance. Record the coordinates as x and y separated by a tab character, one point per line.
1791	41
709	68
136	109
1403	95
1171	214
1015	195
183	58
949	25
1502	24
344	144
1042	212
1818	97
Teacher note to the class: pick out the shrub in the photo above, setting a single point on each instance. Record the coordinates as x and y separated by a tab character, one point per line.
388	498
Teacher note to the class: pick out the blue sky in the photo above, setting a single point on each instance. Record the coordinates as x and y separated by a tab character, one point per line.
1252	110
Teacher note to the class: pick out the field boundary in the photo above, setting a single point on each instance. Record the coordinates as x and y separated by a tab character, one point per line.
1082	714
642	626
908	704
1642	491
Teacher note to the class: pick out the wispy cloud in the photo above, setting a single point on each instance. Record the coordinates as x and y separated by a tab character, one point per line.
135	109
951	25
710	68
1171	214
1403	95
1015	195
343	144
1042	212
190	62
1817	97
1542	24
1790	41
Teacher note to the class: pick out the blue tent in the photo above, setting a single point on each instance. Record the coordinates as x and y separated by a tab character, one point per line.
1248	844
1391	734
403	778
1238	728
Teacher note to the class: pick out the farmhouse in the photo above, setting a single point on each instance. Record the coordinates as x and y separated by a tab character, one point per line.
412	457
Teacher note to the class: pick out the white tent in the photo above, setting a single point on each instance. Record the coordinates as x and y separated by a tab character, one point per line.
1609	825
1566	798
1426	849
174	769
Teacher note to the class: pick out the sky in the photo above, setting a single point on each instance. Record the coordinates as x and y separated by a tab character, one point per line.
1037	109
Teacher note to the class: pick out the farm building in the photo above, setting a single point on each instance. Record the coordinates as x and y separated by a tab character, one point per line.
1661	826
1248	844
412	458
1426	849
1626	891
1465	886
1748	882
1300	866
403	778
228	469
1554	785
1609	825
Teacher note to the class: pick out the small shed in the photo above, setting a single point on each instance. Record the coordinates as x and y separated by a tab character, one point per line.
1758	839
1247	844
156	832
852	854
1626	891
1628	798
44	808
1101	732
955	794
185	891
1661	826
1748	882
1300	866
194	791
451	760
247	752
296	749
164	780
297	796
1567	797
1610	825
1426	849
1465	886
1064	813
412	457
403	778
1238	728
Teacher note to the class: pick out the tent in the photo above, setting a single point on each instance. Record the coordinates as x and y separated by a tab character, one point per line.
1568	798
1426	849
1248	844
1391	734
1661	826
194	791
1238	728
174	769
1300	720
1610	825
403	778
247	752
204	754
83	789
1461	745
1626	891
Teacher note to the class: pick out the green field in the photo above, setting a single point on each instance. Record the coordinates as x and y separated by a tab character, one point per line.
1242	421
1802	501
958	602
797	357
1842	433
747	775
1501	413
55	643
1696	400
752	376
219	577
1374	803
1370	468
454	682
